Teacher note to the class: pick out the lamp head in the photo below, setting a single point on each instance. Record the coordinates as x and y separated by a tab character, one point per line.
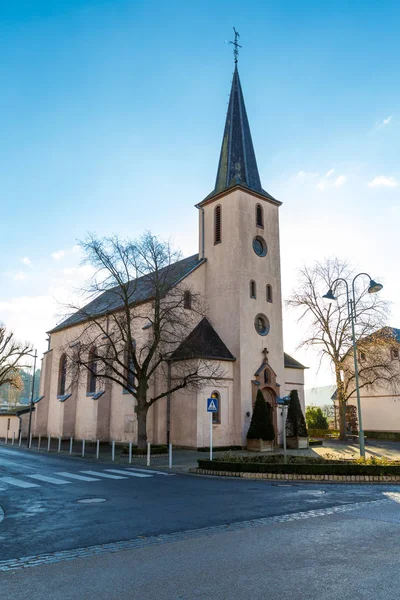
374	287
329	296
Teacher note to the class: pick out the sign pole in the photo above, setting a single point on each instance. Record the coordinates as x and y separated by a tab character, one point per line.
284	433
211	428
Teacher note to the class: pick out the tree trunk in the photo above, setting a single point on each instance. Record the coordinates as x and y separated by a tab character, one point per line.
142	428
342	405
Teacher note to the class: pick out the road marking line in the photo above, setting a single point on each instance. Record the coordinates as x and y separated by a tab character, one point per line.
18	482
150	471
79	477
48	479
107	475
127	473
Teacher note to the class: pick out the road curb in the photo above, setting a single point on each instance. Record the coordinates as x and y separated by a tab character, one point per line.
386	479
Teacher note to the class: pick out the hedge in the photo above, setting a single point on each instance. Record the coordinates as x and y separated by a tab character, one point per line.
218	448
391	436
320	433
300	469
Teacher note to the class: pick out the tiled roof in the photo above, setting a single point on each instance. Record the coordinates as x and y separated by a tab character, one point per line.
203	342
237	162
292	363
141	289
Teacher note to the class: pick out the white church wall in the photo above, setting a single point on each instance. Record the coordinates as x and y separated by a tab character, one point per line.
380	413
294	380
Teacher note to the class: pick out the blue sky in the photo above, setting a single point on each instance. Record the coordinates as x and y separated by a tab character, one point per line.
111	117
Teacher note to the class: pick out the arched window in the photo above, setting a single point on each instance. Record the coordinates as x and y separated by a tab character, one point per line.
62	375
259	216
266	376
269	293
217	225
187	299
92	372
253	289
216	416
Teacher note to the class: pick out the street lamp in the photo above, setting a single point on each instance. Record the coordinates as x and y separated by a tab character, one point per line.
373	288
32	392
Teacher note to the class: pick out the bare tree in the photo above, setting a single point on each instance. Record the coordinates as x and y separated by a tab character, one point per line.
138	316
328	329
12	355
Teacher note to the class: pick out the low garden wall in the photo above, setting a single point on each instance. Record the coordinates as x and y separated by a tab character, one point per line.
328	471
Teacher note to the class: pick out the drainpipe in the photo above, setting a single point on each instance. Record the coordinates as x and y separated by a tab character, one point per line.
202	233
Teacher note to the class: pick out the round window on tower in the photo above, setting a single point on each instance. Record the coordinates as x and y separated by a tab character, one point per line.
262	325
260	246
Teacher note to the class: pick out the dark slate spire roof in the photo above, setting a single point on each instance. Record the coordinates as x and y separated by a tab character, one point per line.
203	342
237	162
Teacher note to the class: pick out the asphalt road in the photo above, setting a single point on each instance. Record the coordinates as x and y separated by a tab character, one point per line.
220	544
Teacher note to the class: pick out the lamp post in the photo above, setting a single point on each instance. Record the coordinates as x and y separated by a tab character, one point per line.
373	288
32	393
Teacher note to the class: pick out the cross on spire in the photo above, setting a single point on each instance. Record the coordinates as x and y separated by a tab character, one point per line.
236	46
265	352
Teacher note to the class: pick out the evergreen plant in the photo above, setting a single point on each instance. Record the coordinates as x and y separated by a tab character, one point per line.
261	426
295	422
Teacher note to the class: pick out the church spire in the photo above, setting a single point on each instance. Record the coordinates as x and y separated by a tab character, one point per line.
237	162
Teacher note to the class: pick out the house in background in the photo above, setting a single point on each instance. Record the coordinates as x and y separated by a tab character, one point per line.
380	402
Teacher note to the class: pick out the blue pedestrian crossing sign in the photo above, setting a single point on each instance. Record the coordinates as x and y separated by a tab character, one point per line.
212	404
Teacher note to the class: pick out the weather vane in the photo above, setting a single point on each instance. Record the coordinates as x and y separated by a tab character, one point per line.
236	46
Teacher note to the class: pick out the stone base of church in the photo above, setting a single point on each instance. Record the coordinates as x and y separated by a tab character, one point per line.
259	446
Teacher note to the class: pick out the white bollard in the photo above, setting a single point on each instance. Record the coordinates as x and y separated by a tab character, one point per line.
30	441
59	445
13	438
97	449
113	451
20	439
39	440
170	456
48	443
148	454
83	448
130	453
71	441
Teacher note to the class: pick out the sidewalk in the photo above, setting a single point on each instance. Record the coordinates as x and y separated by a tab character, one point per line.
183	460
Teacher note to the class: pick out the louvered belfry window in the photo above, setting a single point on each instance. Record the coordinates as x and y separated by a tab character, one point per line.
217	225
259	216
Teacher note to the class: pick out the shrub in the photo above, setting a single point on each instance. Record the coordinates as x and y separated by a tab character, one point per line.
295	422
315	418
333	468
261	426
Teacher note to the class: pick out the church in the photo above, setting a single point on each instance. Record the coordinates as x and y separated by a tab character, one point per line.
237	270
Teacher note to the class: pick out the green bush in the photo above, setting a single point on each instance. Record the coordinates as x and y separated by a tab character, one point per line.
390	436
334	468
295	422
261	426
218	448
315	418
320	433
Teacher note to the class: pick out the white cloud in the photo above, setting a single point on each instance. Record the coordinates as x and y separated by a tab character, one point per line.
58	255
26	261
307	174
341	180
329	173
321	185
383	181
18	276
383	123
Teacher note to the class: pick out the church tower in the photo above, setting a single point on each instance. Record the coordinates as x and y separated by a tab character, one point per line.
239	238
